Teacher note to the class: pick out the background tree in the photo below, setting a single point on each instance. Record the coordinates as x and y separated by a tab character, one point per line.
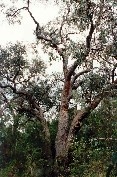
23	142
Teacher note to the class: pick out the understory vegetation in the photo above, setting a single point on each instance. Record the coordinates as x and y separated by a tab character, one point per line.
23	148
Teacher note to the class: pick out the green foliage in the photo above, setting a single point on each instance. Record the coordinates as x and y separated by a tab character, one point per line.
94	82
42	93
53	127
12	61
96	142
23	152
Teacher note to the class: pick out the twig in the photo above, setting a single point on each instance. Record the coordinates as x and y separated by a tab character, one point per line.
17	11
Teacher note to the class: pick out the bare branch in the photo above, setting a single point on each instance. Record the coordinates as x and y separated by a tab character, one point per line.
16	74
7	77
8	86
51	42
22	8
83	114
65	63
35	21
28	3
92	27
60	31
113	72
76	63
78	75
4	96
88	43
76	85
89	37
41	36
70	33
27	95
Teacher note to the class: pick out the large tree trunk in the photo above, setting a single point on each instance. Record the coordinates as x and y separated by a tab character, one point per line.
62	134
66	132
63	122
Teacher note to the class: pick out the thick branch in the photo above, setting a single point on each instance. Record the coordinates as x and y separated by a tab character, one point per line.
75	64
34	107
89	37
28	3
78	75
92	26
87	50
83	114
8	86
113	72
17	73
28	96
41	36
51	42
62	24
35	21
65	69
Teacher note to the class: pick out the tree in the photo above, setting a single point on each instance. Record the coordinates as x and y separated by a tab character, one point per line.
21	76
97	22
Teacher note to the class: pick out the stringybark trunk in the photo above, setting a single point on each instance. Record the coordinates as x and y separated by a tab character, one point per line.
63	124
76	125
65	137
62	134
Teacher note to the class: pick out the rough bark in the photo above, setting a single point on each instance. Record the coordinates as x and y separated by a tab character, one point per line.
63	122
66	136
